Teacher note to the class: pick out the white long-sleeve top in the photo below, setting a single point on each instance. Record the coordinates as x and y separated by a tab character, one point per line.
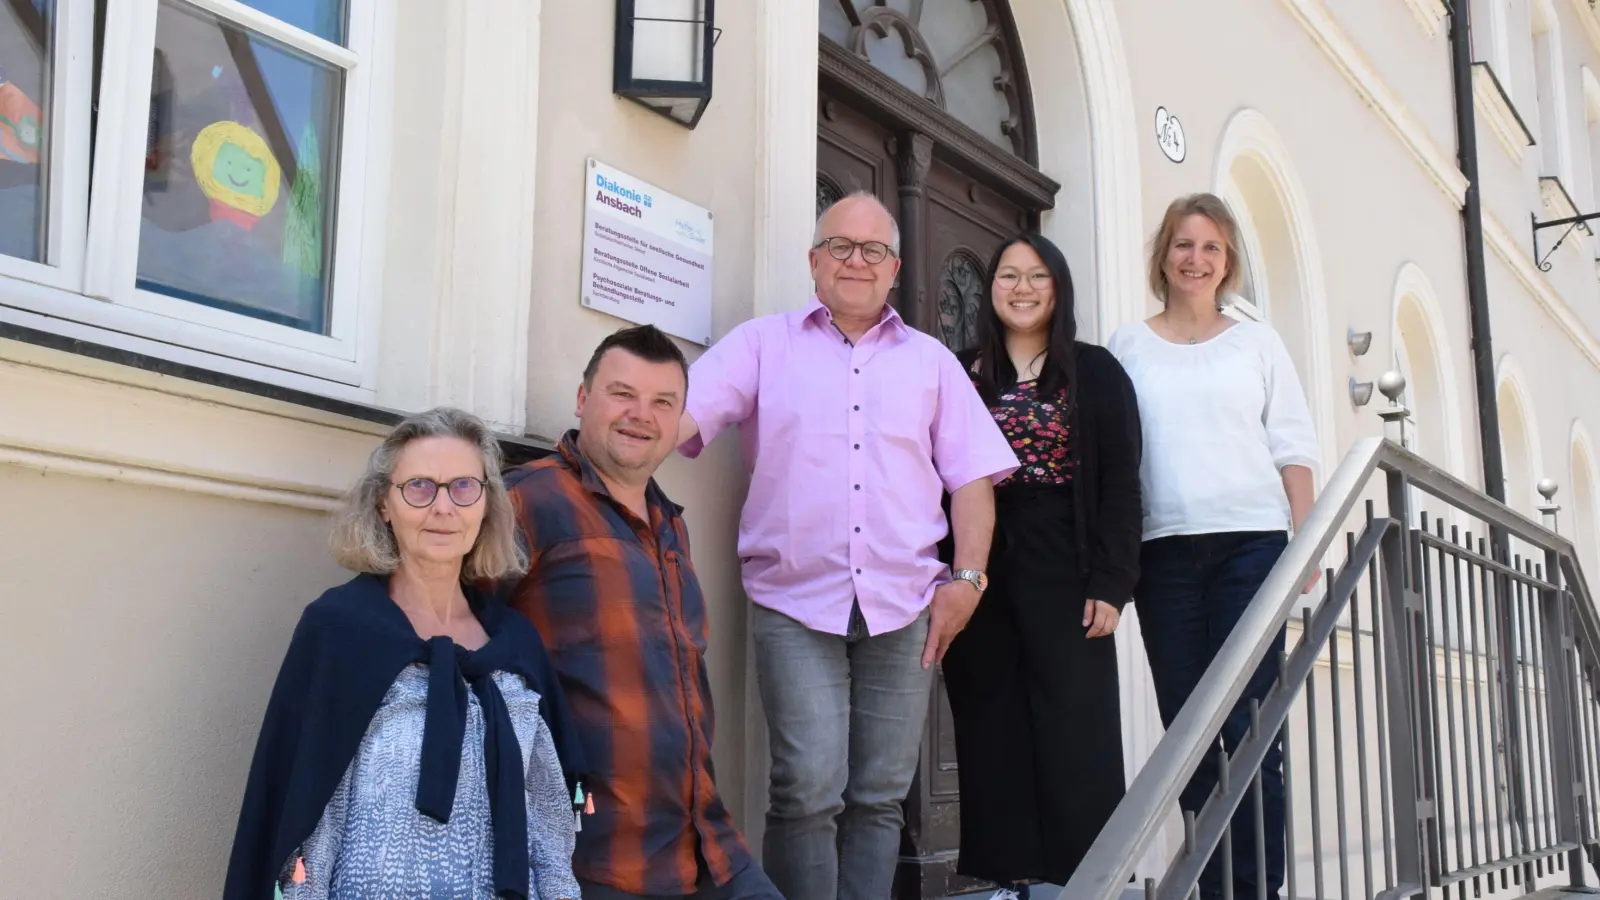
1220	419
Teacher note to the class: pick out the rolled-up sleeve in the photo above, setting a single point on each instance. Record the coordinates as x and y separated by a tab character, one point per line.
967	444
722	385
1291	436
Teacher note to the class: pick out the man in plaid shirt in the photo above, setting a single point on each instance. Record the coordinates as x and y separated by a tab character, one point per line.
611	588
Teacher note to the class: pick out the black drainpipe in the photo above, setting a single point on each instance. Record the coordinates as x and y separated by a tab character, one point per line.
1472	232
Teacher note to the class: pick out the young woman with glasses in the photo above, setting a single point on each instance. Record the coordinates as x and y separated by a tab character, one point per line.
1032	680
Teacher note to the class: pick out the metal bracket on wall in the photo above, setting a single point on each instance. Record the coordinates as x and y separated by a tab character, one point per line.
1572	222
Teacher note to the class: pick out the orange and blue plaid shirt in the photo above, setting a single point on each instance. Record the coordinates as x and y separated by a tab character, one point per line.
624	621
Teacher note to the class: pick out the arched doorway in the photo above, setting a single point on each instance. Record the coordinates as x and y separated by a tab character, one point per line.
925	104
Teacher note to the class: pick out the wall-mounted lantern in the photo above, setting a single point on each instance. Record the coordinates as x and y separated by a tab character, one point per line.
1360	392
663	56
1359	341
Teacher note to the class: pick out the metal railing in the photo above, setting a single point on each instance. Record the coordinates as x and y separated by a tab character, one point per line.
1439	714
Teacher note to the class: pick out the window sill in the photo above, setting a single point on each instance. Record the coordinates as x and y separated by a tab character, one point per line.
1429	14
1494	105
132	366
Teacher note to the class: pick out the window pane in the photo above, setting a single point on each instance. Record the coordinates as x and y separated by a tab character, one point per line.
323	18
240	173
25	39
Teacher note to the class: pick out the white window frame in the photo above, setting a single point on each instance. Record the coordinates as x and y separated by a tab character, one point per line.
1550	85
1590	86
67	153
94	286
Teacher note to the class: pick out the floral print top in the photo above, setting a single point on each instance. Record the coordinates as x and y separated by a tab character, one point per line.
1037	431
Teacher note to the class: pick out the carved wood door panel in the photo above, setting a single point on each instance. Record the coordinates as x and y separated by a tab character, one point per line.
966	222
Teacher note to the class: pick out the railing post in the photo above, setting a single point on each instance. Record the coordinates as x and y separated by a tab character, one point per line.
1395	416
1518	771
1550	510
1561	693
1409	725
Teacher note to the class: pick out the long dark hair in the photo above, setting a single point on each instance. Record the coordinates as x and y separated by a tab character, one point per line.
1058	374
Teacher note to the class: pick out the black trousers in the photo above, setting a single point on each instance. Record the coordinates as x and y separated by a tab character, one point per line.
1035	703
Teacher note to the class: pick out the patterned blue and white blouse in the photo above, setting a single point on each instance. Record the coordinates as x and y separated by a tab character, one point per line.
372	841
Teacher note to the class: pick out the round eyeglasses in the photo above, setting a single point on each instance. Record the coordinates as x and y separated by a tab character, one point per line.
421	492
1039	281
842	248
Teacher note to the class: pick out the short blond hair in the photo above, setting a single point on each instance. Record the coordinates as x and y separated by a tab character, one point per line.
363	542
1212	207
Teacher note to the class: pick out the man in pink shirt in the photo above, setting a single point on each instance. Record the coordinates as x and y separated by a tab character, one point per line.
854	426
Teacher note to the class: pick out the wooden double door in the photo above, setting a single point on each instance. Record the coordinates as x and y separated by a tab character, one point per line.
950	221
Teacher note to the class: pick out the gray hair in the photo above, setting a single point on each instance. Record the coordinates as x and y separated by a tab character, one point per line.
363	542
894	242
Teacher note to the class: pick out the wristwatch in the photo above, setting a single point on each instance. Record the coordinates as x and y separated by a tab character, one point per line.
974	577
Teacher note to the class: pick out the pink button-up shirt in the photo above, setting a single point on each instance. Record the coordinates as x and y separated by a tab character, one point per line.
850	449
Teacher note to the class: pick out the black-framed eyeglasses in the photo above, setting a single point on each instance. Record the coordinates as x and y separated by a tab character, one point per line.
842	248
421	492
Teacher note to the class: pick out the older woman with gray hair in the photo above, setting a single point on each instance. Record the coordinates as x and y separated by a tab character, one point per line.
416	743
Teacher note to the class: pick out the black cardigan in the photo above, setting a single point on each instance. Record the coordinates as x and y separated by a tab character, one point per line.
1105	442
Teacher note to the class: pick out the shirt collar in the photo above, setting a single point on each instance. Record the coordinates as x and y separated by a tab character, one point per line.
594	484
817	314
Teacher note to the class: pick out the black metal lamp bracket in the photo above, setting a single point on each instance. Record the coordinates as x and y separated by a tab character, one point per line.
716	33
1572	223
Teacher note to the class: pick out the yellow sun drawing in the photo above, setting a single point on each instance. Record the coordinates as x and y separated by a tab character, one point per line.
234	167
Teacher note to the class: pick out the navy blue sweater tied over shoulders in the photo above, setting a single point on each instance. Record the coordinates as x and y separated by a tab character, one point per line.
348	649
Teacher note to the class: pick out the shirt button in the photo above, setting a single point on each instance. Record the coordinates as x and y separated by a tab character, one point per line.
858	571
856	408
858	446
858	371
858	529
858	487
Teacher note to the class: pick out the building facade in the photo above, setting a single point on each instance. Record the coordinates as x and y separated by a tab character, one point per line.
237	239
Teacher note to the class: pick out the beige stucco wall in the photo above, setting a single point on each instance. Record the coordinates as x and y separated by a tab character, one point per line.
146	626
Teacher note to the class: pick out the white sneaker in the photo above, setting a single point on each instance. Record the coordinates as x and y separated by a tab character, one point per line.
1004	894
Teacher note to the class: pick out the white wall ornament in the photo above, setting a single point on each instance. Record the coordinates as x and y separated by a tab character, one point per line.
1169	134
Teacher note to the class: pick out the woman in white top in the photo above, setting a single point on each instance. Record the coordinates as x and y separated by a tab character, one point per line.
1228	453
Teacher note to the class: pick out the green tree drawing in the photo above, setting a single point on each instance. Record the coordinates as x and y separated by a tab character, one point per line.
302	227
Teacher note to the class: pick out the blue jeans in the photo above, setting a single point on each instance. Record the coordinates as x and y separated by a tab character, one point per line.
1192	590
844	717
